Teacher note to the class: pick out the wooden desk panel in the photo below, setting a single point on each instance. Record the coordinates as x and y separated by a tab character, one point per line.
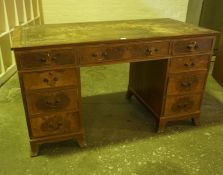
189	63
168	69
187	82
124	52
45	58
50	79
193	45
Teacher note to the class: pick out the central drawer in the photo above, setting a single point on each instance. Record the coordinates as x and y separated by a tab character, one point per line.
120	52
52	101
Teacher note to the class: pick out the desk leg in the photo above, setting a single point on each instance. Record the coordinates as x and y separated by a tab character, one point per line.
161	124
196	121
129	94
81	141
34	149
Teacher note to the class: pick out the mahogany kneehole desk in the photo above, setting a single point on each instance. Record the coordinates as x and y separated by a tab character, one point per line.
168	59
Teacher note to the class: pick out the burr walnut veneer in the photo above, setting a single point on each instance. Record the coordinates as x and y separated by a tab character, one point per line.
168	68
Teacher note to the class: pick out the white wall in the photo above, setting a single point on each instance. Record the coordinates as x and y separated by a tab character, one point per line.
63	11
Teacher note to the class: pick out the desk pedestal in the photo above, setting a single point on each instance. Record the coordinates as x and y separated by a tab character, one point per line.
170	94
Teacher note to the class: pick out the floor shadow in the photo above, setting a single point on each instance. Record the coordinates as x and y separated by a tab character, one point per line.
211	110
112	119
108	119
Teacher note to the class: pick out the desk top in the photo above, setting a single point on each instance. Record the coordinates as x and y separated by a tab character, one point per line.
106	31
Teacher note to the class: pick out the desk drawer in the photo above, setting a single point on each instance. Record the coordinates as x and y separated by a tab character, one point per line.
59	123
150	49
49	79
45	58
49	101
191	82
188	63
176	105
193	45
118	52
97	54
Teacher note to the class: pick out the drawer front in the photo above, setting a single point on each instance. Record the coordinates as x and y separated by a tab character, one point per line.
60	123
97	54
195	45
177	105
188	63
150	49
106	53
45	58
48	101
191	82
49	79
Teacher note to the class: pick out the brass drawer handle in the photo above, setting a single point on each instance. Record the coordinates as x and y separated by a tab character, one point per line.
182	106
99	58
52	103
54	58
189	65
45	80
46	59
52	124
151	51
43	60
186	84
94	55
49	59
104	54
192	46
50	80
